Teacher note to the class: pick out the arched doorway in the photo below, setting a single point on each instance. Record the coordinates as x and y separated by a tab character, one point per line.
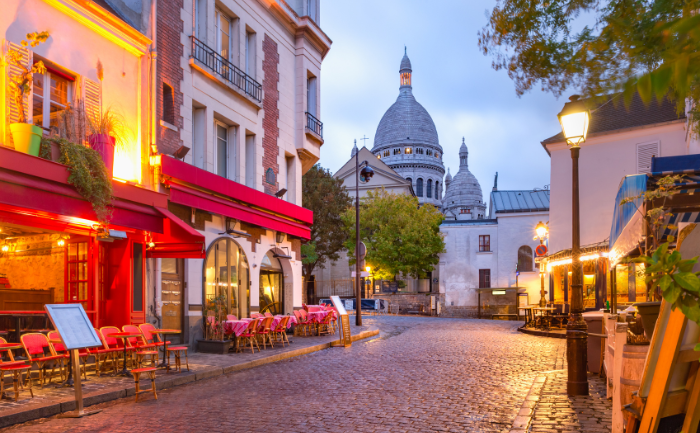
271	284
226	275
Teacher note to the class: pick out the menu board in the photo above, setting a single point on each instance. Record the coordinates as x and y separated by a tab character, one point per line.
71	321
346	338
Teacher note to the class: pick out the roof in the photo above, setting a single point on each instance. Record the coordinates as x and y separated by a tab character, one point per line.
470	222
520	201
612	115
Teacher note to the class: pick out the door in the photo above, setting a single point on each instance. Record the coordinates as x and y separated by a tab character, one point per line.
172	284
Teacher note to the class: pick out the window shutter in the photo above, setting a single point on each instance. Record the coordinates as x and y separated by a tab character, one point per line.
92	93
13	114
645	152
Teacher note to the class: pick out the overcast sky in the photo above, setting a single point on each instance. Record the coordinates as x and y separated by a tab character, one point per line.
451	79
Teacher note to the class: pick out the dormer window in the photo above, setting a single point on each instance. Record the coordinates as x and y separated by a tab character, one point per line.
409	151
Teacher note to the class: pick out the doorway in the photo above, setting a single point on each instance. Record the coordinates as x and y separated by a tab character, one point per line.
171	291
271	285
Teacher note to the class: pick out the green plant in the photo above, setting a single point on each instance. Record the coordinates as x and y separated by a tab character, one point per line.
673	276
45	148
217	306
110	123
22	82
89	176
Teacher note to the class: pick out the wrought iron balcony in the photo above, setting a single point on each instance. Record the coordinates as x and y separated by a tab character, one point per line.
314	124
225	69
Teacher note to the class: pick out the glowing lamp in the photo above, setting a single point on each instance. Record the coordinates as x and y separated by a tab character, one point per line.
61	242
574	119
5	248
541	230
367	268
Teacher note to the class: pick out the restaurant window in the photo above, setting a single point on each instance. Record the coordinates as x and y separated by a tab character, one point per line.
52	92
589	283
524	258
77	275
102	270
484	278
226	277
484	243
630	286
271	285
138	277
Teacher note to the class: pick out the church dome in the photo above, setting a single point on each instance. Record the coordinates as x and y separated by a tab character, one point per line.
463	196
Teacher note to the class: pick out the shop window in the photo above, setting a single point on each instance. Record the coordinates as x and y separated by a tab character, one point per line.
484	243
77	273
138	277
52	92
524	258
226	278
484	278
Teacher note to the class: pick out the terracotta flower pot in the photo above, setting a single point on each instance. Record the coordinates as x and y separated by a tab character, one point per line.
649	312
104	145
26	137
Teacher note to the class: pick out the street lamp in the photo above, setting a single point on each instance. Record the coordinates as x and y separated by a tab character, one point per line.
542	234
365	176
574	119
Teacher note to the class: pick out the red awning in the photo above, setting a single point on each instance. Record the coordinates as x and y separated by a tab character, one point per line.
178	241
191	197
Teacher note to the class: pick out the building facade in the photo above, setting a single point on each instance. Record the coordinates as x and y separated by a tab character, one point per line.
407	141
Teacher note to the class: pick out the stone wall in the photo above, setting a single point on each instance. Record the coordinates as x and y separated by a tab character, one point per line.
170	50
35	264
407	301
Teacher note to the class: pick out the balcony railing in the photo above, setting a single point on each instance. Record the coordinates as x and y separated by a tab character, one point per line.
314	124
225	69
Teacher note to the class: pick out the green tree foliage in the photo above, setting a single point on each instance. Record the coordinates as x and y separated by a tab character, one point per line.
645	46
328	199
401	237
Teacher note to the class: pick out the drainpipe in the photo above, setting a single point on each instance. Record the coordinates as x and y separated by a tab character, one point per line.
154	91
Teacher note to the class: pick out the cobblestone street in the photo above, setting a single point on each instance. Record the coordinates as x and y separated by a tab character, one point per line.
421	374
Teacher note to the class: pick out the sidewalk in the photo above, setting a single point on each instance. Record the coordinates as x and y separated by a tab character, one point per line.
53	400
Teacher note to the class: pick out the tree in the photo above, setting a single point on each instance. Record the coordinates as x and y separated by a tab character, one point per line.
644	46
401	237
328	199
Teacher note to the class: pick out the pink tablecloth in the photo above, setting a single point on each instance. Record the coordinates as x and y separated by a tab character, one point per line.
318	316
236	327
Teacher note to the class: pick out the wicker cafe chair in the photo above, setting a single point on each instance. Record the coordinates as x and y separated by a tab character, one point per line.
104	354
256	316
141	346
310	323
16	369
117	343
34	345
60	349
177	351
326	325
249	336
265	334
9	355
302	324
281	331
146	329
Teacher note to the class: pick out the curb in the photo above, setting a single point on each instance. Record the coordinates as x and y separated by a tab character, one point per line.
20	416
522	422
540	333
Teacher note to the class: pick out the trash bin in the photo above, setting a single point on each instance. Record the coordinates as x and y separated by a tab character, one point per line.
594	321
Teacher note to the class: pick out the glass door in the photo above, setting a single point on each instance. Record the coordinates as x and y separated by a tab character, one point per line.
172	284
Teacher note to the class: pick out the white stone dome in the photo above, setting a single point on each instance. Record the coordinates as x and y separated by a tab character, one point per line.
463	196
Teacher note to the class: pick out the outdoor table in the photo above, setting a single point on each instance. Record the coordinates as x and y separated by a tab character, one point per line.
543	311
236	327
278	318
124	336
529	314
6	347
163	333
17	315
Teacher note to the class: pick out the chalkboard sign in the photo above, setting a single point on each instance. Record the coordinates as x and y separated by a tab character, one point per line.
390	286
345	338
71	321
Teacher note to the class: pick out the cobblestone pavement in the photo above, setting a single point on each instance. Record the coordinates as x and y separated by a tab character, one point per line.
422	374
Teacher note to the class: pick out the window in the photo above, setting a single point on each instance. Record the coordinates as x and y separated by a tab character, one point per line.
311	98
221	149
408	151
429	189
646	152
484	243
223	35
291	179
410	180
419	151
250	161
168	105
199	135
386	153
77	273
138	277
428	152
397	151
464	210
419	187
250	54
226	275
200	16
525	259
51	94
437	190
484	278
437	154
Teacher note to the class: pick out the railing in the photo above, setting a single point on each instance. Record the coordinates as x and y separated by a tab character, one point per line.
314	124
326	289
225	69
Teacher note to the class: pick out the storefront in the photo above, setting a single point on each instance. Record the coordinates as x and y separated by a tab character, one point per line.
596	276
53	250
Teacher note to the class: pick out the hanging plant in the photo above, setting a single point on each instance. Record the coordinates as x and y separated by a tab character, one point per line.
89	176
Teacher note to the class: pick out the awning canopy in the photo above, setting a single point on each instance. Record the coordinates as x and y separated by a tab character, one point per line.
193	187
178	241
627	230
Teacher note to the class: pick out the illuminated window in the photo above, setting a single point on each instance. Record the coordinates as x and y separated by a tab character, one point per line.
406	79
51	94
429	152
408	151
387	153
379	155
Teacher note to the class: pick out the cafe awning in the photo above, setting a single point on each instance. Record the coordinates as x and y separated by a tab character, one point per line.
178	241
627	223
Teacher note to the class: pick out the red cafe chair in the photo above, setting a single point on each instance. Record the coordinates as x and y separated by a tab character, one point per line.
116	343
265	332
60	349
281	330
250	336
34	345
104	354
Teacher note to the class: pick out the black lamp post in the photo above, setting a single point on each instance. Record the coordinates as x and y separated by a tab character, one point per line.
542	232
574	119
363	177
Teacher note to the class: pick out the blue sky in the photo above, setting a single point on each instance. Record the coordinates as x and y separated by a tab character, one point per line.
451	79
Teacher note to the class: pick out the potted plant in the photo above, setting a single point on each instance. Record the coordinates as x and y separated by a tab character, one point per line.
215	314
106	134
26	137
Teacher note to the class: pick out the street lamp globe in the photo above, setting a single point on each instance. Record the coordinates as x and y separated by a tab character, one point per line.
541	230
574	119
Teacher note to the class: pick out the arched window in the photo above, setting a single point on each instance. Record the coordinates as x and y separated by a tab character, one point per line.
419	187
429	152
437	190
525	259
226	275
410	180
429	188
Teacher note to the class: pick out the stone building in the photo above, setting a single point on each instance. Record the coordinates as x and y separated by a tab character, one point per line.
407	141
463	199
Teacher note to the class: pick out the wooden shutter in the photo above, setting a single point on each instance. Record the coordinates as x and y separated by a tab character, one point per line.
92	94
13	114
645	153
